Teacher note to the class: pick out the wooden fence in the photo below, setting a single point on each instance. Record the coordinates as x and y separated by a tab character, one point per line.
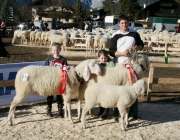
150	80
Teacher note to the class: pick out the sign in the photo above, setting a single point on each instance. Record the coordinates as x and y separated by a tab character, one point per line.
8	72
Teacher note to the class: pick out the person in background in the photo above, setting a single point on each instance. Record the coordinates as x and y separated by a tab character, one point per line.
3	51
104	59
3	26
163	27
121	41
90	26
46	25
178	28
154	28
32	25
81	25
55	60
42	28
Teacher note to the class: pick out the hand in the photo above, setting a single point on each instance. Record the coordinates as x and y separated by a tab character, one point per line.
126	53
137	47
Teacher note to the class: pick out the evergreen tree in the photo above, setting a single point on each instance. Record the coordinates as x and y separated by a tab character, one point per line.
5	11
130	8
108	7
78	11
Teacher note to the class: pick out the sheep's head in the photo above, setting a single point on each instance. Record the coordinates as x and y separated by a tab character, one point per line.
142	60
140	87
91	68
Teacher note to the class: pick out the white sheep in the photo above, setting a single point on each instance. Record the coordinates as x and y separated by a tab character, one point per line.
89	44
104	43
118	75
62	39
24	35
32	37
38	37
108	96
45	81
97	38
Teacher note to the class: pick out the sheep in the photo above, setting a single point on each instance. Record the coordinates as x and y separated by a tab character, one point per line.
43	34
20	34
109	96
97	38
104	42
45	81
38	37
89	44
32	37
62	39
117	75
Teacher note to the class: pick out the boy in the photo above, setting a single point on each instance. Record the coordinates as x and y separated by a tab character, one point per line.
55	60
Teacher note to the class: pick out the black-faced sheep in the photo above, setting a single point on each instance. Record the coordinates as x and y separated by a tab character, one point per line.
109	96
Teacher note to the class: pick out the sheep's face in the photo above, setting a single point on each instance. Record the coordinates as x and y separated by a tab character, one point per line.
140	87
143	61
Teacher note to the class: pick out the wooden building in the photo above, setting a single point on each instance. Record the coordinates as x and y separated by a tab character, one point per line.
163	8
46	12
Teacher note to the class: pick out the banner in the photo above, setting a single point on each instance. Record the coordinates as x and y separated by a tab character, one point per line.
8	72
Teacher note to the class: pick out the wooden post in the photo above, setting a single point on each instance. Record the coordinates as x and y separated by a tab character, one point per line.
150	82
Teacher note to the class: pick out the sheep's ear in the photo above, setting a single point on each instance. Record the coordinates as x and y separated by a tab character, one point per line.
86	73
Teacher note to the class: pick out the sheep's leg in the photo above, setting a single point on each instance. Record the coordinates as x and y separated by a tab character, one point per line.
90	112
126	117
17	99
79	109
84	113
123	113
65	110
69	112
13	40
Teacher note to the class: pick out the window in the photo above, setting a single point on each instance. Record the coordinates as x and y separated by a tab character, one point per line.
138	25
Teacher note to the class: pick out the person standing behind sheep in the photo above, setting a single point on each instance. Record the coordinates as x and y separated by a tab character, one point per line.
81	25
121	41
3	26
104	59
90	26
55	60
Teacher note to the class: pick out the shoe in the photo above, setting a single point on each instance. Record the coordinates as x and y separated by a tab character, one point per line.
60	111
101	110
48	113
116	116
105	114
61	114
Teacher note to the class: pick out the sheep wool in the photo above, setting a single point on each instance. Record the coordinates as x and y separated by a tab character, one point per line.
108	96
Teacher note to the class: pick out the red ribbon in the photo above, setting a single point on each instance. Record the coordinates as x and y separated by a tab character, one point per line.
63	79
133	75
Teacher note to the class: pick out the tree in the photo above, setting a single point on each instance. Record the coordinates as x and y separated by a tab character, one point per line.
21	11
5	10
130	8
107	6
78	11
